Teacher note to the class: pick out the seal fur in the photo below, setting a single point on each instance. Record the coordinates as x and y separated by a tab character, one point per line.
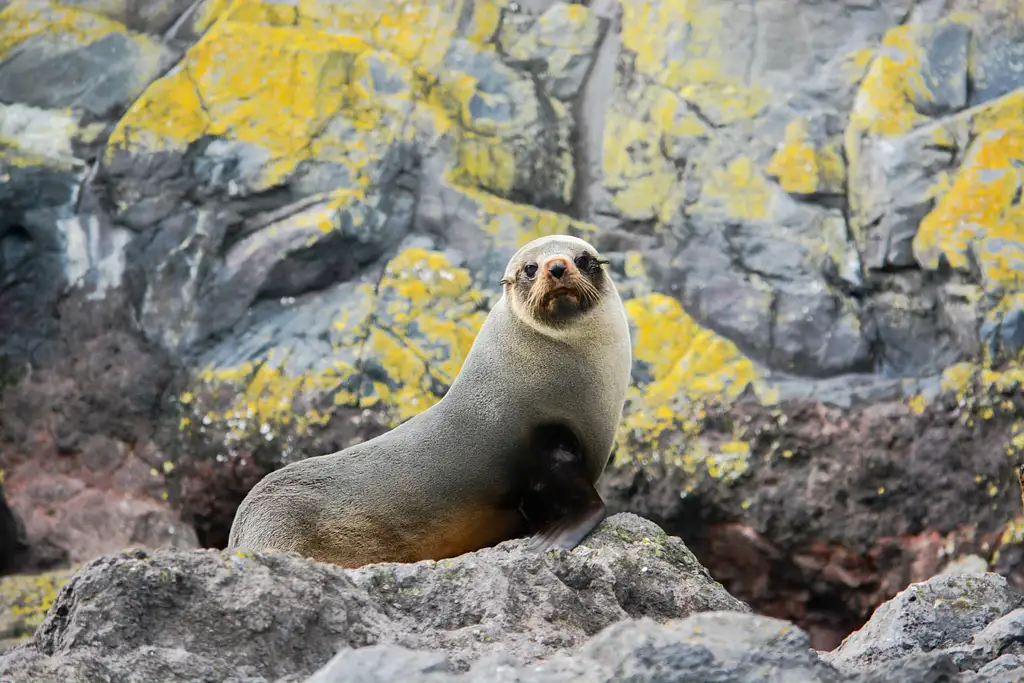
514	447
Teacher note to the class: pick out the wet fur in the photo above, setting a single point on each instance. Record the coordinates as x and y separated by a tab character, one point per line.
450	480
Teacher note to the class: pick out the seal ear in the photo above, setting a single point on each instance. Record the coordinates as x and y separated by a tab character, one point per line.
505	281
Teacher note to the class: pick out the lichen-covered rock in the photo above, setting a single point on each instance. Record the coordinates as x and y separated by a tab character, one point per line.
24	602
181	616
946	611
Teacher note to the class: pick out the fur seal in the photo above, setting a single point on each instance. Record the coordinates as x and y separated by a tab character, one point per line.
514	447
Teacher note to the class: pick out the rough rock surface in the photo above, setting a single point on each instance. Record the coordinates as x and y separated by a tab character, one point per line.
839	509
631	604
216	615
233	234
959	613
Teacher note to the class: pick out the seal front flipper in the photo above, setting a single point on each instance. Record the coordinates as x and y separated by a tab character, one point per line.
567	533
562	506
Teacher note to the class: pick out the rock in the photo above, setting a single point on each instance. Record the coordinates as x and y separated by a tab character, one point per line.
716	646
54	57
631	604
24	601
273	615
847	503
947	611
81	468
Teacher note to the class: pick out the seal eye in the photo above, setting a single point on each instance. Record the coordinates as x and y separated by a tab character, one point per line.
583	261
530	270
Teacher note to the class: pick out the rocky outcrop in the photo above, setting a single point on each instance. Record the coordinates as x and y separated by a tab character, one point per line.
233	234
274	616
838	508
631	603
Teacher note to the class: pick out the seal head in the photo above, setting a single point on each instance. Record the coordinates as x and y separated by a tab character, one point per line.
552	282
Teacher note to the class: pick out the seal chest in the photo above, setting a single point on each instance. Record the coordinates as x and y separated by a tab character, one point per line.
514	447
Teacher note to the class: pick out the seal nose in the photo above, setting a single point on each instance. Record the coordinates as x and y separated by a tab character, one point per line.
557	268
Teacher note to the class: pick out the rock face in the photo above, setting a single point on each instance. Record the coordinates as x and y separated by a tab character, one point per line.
233	234
218	615
631	604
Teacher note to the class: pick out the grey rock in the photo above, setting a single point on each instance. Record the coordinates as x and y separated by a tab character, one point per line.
381	664
943	612
540	42
915	340
852	389
714	647
841	345
994	73
99	73
154	16
968	564
945	69
1003	669
1002	636
933	667
205	615
891	189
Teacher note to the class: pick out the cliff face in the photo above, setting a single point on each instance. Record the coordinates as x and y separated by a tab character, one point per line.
236	233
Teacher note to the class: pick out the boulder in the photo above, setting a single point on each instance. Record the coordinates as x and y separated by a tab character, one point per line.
218	615
958	614
629	604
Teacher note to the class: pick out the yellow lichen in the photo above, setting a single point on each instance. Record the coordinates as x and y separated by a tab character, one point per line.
1013	533
979	220
739	188
511	223
25	600
643	182
679	57
958	378
419	325
680	44
259	72
856	63
689	365
423	292
802	167
482	162
884	103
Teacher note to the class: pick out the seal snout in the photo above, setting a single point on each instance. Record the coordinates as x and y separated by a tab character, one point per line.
557	266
